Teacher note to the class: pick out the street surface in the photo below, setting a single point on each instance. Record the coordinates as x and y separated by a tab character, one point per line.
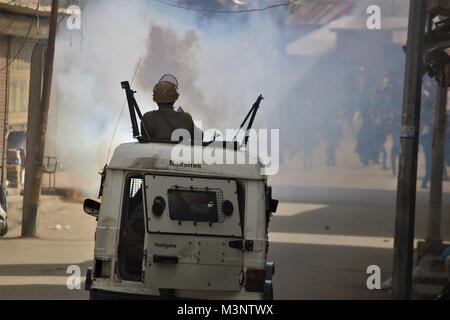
331	225
321	250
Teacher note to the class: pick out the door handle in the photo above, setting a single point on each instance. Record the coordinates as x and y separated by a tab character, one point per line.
244	245
165	259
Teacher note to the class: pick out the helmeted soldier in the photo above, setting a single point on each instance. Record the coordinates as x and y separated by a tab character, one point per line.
160	124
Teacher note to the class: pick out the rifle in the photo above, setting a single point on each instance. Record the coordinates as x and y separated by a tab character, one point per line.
134	108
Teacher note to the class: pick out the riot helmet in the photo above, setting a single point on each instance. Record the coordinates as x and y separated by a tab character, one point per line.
166	90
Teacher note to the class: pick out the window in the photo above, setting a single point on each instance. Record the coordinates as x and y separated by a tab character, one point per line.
17	96
132	231
197	205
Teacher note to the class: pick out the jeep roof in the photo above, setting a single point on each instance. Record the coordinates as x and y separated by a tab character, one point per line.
157	158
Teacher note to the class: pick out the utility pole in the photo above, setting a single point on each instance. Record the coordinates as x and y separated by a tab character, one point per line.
409	143
34	120
4	158
437	170
34	168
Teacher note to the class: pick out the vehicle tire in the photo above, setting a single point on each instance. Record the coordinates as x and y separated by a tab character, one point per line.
96	295
268	290
3	228
88	283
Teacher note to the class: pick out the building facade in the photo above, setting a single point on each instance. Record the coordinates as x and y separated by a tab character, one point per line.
22	25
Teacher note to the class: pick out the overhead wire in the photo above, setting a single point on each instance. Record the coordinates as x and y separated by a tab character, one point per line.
228	11
23	42
138	65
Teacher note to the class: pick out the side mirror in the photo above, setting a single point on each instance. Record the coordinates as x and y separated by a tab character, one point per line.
92	207
271	204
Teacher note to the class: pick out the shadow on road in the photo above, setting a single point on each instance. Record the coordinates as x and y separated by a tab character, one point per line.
54	274
326	272
40	269
349	212
42	292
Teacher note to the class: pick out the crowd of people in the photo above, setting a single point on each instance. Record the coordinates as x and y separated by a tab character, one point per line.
375	109
379	109
371	110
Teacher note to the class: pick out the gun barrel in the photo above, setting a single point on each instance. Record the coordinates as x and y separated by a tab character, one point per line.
133	108
125	85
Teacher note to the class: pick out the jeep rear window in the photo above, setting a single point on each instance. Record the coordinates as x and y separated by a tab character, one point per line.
193	205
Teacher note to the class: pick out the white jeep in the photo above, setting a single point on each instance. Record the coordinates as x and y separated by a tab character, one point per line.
175	230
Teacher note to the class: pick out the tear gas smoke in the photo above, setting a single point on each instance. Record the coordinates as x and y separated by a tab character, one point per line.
222	61
221	70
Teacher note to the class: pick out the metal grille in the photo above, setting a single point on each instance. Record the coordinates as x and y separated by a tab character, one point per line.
219	198
135	186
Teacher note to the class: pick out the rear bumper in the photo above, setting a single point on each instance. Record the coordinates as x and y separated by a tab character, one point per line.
99	294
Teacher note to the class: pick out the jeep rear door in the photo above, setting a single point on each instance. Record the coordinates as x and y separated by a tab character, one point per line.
194	234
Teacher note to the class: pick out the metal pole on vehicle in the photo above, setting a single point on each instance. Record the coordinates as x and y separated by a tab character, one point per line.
409	143
437	169
36	148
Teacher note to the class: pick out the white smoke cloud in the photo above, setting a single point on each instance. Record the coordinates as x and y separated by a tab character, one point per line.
223	64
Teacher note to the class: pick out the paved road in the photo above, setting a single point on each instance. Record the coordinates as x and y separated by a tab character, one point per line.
36	269
321	246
